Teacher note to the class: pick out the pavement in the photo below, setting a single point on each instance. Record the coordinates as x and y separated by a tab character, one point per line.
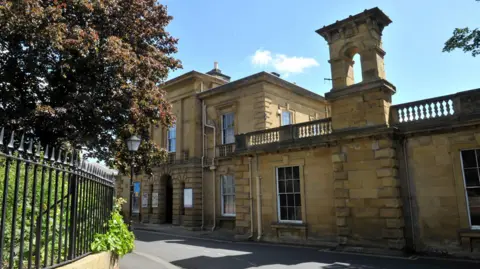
167	249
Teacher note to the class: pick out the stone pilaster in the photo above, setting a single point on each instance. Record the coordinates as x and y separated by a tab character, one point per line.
341	195
260	107
177	203
368	204
391	206
242	195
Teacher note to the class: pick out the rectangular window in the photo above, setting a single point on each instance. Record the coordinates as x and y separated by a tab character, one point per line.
228	133
289	198
471	172
286	118
228	195
172	138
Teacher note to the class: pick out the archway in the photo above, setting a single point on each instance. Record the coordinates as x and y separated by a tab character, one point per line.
354	70
357	69
168	199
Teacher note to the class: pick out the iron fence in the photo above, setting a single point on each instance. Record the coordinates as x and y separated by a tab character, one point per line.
52	204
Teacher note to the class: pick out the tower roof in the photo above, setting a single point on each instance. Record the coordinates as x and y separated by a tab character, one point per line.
374	14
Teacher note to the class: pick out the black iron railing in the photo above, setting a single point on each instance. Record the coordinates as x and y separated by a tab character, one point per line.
52	204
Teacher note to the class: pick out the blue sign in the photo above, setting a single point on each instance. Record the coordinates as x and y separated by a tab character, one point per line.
136	187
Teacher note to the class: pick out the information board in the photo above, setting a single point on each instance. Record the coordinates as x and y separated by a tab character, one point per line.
144	200
187	198
155	199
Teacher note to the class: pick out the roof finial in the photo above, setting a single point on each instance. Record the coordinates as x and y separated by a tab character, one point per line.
215	65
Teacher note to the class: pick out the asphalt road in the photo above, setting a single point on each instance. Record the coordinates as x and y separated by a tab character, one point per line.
157	250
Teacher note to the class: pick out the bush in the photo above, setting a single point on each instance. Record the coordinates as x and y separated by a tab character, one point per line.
118	239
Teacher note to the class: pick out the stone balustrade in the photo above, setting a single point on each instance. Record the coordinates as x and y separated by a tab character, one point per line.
449	107
225	150
284	134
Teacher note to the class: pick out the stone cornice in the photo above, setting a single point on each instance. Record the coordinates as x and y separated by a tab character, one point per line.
360	87
373	17
190	75
260	77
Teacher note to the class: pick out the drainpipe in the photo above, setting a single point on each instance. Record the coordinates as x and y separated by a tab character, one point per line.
250	196
409	189
259	202
203	158
212	167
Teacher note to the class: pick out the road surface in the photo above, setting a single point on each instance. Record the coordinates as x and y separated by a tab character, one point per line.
157	250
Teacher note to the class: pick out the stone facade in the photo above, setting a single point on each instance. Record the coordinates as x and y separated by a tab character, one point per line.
350	169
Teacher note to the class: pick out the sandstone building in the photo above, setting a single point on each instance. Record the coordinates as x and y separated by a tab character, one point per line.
276	162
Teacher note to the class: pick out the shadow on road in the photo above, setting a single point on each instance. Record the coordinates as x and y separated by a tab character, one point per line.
197	253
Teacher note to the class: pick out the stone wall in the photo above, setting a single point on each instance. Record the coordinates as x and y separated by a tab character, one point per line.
103	260
439	191
316	196
212	195
383	190
302	109
367	194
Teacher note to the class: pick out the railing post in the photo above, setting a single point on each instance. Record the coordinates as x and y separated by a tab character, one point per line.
393	115
292	130
241	142
73	214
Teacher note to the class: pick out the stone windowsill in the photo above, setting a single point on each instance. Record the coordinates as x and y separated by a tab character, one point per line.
469	233
226	218
283	225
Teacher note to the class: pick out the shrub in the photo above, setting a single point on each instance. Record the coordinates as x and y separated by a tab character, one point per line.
118	239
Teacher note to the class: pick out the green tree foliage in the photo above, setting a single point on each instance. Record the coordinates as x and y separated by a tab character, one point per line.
88	72
118	239
466	39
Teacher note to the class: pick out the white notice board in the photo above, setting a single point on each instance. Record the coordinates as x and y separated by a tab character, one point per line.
187	198
155	199
144	200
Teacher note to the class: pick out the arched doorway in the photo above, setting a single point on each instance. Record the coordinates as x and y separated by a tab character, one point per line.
168	199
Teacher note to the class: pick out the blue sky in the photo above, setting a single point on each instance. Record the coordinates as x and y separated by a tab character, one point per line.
281	34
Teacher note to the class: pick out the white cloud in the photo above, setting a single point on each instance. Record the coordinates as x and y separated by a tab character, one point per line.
282	63
262	57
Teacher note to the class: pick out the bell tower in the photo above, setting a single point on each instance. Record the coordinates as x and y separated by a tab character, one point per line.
365	103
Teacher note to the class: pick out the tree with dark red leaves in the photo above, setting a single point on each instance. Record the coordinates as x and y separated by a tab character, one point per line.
88	72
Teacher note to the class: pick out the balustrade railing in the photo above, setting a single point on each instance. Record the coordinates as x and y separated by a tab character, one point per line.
424	109
171	157
448	106
265	136
288	133
225	150
313	128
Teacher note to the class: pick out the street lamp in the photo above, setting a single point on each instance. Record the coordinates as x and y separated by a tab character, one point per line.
132	144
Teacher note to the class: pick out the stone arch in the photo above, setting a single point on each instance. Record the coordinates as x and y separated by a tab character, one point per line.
166	181
352	55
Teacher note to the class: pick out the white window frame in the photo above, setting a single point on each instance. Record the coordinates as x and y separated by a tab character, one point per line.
279	215
174	127
222	194
290	117
224	129
473	227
